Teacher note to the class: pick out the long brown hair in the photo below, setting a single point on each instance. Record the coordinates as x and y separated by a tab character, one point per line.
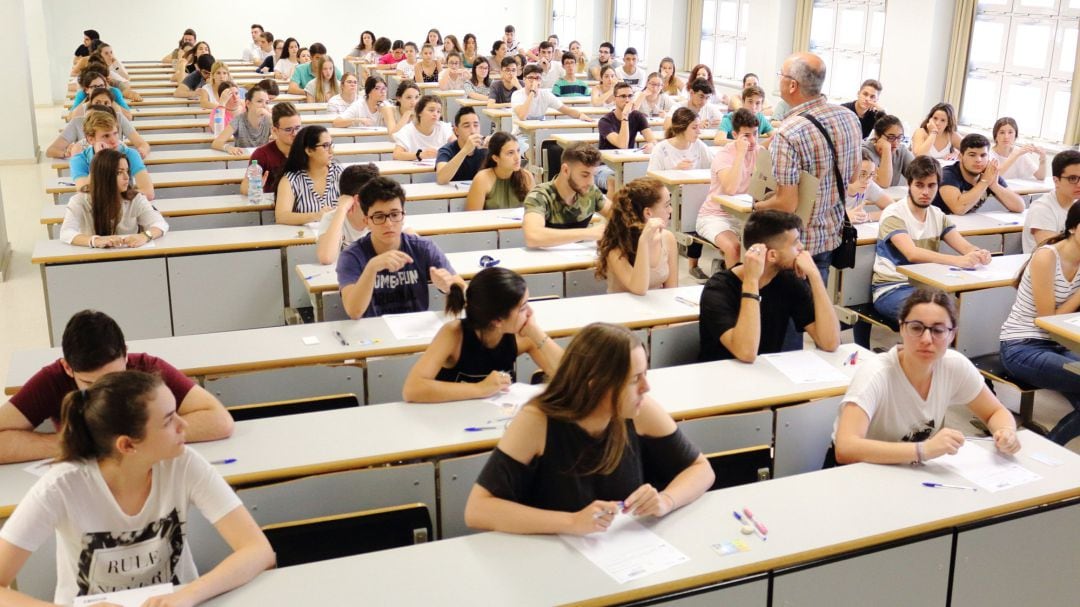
106	199
519	181
594	369
114	406
627	219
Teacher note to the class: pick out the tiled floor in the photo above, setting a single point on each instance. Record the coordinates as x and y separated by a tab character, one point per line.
23	322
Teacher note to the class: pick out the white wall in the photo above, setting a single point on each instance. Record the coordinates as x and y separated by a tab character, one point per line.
142	30
666	36
20	136
37	35
914	74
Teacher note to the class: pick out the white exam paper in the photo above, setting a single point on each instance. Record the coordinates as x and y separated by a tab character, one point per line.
987	468
416	325
1075	320
804	367
1005	217
134	597
516	396
627	550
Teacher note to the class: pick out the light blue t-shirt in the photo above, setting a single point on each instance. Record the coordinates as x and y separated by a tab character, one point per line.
764	126
80	163
302	74
118	98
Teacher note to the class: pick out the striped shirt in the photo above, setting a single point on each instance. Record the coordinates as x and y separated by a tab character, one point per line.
1021	321
897	219
800	146
305	199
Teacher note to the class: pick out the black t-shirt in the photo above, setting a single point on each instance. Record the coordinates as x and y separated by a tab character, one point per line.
499	93
867	120
470	166
786	296
610	123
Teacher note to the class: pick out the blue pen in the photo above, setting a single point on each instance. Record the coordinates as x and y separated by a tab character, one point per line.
743	521
944	486
961	269
479	428
220	462
71	183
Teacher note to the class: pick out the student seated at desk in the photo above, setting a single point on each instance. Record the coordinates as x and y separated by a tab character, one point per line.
72	139
325	84
605	57
425	134
463	157
119	498
91	79
936	137
190	86
637	251
386	272
308	188
560	211
652	100
967	183
228	101
864	189
1048	285
478	85
347	223
866	106
403	112
630	72
894	409
248	129
508	82
911	231
591	447
303	73
395	52
746	310
698	101
474	357
108	212
102	133
603	94
209	91
886	148
346	97
682	149
369	111
290	58
570	85
619	130
1016	161
453	76
753	98
730	174
469	51
672	84
93	345
1046	216
502	184
271	156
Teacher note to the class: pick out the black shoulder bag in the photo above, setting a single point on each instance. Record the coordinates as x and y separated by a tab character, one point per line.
843	256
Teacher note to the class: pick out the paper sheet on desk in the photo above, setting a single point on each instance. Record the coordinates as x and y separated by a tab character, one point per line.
38	468
987	468
1006	218
417	325
1075	321
124	598
804	367
627	550
516	396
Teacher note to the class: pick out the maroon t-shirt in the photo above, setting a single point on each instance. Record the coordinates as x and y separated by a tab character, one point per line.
270	159
40	398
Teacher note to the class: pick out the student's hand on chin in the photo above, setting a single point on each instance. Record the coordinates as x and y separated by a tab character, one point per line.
804	265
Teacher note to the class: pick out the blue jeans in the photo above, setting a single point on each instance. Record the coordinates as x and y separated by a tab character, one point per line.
889	304
603	172
1041	362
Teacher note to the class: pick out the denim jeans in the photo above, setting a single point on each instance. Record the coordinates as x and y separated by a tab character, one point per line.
887	305
1041	362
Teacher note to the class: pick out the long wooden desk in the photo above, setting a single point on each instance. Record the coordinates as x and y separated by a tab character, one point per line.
1063	328
200	212
202	123
282	346
902	542
202	139
984	298
183	101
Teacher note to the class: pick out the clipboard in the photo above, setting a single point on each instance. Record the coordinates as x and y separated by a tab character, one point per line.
763	183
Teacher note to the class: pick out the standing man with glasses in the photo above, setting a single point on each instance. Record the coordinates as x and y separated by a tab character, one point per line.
386	271
800	146
271	156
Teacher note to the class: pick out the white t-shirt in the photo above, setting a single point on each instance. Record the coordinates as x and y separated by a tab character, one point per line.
710	114
1044	214
896	411
1024	167
410	138
408	72
666	156
663	105
543	101
136	215
554	73
359	110
872	193
99	548
349	234
337	105
636	79
896	219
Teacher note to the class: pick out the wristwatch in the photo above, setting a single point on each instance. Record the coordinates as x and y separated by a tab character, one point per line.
149	236
418	155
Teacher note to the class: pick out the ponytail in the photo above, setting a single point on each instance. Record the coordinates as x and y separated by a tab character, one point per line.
455	300
492	295
114	406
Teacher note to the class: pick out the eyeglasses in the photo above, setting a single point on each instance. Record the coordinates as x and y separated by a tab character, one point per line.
893	138
1071	179
326	146
292	130
533	77
380	218
624	96
487	261
916	329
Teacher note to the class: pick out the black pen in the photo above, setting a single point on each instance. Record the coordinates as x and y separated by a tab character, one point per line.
341	338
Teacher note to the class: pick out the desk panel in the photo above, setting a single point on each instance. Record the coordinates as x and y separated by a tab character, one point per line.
226	291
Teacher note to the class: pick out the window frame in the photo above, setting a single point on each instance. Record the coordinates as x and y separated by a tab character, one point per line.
737	35
869	49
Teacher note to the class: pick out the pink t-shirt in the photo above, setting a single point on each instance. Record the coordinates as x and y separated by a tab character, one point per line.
724	158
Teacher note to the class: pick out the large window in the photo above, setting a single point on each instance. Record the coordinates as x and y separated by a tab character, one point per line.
724	27
630	27
1021	63
847	35
563	18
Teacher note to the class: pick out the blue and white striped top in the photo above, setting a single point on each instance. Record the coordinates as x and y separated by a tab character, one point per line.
305	199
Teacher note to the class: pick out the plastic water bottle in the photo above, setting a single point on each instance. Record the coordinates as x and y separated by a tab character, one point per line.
219	121
255	183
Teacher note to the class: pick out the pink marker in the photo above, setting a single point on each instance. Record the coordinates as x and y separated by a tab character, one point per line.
762	529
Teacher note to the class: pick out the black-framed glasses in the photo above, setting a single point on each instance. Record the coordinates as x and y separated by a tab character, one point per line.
326	145
1071	179
893	138
916	329
380	218
292	130
487	261
624	96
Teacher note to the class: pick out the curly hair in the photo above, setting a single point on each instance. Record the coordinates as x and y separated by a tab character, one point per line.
627	219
